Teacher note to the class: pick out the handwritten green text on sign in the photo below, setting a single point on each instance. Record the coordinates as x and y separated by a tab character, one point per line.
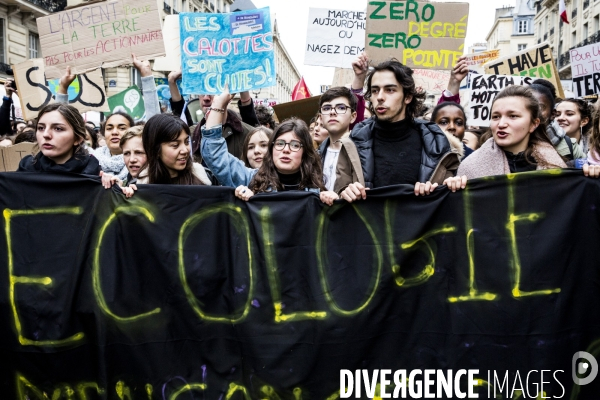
419	34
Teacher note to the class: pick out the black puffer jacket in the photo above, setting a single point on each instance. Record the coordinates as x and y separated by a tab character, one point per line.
439	160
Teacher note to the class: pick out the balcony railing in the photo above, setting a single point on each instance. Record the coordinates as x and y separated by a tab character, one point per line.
50	5
586	4
167	8
565	59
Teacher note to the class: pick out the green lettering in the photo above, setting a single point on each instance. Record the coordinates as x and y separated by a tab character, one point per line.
375	37
412	7
431	9
388	40
380	5
394	13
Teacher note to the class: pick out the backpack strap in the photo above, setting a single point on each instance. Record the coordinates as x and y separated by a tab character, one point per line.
570	144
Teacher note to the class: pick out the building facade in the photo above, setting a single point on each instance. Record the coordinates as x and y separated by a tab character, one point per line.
19	38
583	29
513	28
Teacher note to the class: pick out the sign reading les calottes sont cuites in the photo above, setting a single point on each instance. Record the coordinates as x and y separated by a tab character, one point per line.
101	34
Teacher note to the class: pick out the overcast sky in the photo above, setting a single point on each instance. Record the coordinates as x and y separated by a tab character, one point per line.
292	21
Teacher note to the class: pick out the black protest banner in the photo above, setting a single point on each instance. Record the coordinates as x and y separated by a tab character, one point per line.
188	293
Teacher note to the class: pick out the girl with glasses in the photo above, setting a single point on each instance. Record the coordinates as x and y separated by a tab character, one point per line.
291	162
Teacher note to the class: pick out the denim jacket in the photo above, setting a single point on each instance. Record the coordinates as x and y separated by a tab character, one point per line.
228	169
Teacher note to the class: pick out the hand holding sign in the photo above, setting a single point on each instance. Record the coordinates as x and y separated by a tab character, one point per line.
65	81
142	66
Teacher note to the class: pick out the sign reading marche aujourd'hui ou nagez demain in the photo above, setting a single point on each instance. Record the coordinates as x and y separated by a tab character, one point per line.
233	49
334	38
419	34
102	34
585	67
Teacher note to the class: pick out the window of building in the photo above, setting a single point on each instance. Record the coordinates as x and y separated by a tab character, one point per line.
573	38
546	24
597	23
560	48
521	47
34	45
522	26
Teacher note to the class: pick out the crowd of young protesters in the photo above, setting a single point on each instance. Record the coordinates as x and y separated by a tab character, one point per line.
376	133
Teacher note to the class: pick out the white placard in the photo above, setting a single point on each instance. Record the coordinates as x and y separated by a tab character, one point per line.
334	38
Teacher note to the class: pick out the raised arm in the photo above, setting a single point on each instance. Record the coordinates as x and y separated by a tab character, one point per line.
360	66
229	170
458	73
62	93
149	91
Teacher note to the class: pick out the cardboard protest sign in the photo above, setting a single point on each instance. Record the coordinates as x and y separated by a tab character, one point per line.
536	62
585	69
102	34
170	31
419	34
484	89
11	156
86	93
430	80
334	38
130	101
234	49
304	109
162	89
475	61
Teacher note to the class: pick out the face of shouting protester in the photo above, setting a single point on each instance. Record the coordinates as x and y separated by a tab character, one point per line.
114	130
134	155
387	97
286	160
56	137
511	124
175	154
257	148
452	120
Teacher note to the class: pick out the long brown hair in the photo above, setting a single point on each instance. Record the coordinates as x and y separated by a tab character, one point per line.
263	129
164	128
311	170
531	104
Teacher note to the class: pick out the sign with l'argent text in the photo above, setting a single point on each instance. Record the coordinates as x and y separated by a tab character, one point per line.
102	34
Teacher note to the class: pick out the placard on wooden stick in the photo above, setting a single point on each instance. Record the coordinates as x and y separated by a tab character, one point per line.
102	34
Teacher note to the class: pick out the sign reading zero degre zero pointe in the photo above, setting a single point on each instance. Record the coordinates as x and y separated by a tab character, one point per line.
101	34
424	35
334	37
234	49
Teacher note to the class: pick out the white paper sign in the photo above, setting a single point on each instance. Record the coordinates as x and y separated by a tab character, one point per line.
484	89
172	61
585	67
334	37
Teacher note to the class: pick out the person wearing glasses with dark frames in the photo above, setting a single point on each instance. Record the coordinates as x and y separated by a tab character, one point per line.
291	162
341	163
